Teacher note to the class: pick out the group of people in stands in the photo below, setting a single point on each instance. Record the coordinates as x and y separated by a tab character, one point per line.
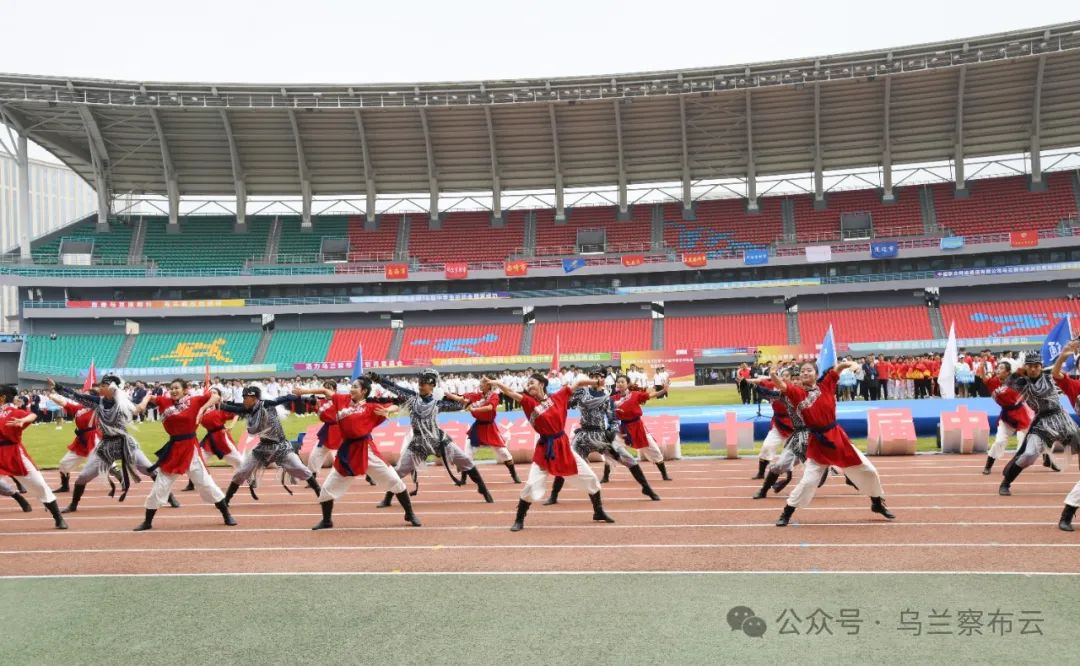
875	377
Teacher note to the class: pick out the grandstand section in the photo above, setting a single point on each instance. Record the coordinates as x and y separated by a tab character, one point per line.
723	227
423	342
69	354
172	350
631	235
1007	317
467	237
730	330
110	248
377	244
580	330
997	205
868	324
201	243
344	343
289	347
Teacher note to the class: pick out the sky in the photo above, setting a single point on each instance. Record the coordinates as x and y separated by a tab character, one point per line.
318	41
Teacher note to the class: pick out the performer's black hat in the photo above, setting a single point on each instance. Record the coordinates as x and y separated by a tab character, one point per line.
597	371
253	391
429	377
1033	359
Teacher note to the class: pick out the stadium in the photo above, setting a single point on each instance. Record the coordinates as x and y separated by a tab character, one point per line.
688	221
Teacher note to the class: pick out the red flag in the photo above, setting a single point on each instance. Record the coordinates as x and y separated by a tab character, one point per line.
458	270
91	377
629	260
397	271
695	260
555	357
1023	238
206	379
517	268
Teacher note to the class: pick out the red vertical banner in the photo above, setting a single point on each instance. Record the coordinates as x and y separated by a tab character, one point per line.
517	268
1028	238
630	260
458	270
695	260
91	377
397	271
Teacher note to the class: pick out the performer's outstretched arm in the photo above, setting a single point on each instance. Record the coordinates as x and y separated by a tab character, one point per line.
1069	350
505	390
84	399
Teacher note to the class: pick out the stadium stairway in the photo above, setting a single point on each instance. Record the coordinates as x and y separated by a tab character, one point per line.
395	344
264	344
791	319
526	340
1076	187
273	242
656	232
787	214
125	351
401	250
138	239
529	244
658	334
926	207
937	324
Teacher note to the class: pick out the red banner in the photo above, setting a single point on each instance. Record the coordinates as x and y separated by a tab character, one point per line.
629	260
458	270
1023	238
695	260
517	268
397	271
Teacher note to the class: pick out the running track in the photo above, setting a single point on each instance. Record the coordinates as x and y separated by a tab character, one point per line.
949	519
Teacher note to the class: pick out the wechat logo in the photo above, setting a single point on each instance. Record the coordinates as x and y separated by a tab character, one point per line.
742	617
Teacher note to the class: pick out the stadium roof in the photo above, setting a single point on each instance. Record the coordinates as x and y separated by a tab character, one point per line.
1007	93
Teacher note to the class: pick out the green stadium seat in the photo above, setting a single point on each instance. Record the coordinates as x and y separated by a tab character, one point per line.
288	347
163	350
70	354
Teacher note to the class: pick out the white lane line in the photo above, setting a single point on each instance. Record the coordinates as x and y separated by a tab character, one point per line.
581	546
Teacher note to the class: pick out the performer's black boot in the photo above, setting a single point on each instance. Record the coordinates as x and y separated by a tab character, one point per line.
1011	471
646	489
598	509
481	487
663	471
1065	523
172	502
148	521
877	505
785	517
761	465
770	479
387	498
406	503
371	481
556	487
989	465
23	504
777	487
19	486
76	495
513	472
519	519
824	477
65	479
1049	462
327	515
607	473
189	487
223	507
230	491
54	510
314	485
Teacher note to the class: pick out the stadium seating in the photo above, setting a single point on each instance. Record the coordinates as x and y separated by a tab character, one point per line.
866	324
734	330
296	247
723	227
193	349
561	239
423	342
288	347
70	354
199	244
1004	204
1009	318
902	218
608	335
343	344
113	246
466	236
377	245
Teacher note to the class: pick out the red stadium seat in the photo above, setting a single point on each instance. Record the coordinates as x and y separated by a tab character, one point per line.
376	342
632	235
866	324
1009	318
466	236
426	342
998	205
593	336
723	226
734	330
375	245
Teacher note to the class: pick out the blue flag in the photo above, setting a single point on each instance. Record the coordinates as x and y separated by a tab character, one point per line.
571	265
884	250
827	356
952	242
358	363
755	257
1056	340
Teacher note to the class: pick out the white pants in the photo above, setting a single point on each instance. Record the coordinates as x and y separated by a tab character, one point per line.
1073	498
773	441
385	477
35	483
536	484
234	458
865	476
502	454
652	452
204	483
1001	439
71	462
318	457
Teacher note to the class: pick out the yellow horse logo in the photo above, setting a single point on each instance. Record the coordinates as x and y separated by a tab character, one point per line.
186	352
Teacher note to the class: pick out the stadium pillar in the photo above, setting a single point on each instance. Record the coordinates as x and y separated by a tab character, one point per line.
560	208
958	159
172	185
751	169
622	197
238	174
304	172
496	180
687	193
369	174
886	153
22	158
819	177
433	173
99	157
1036	130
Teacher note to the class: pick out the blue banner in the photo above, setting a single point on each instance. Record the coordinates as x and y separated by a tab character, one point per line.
884	250
755	257
952	242
571	265
827	355
1056	340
